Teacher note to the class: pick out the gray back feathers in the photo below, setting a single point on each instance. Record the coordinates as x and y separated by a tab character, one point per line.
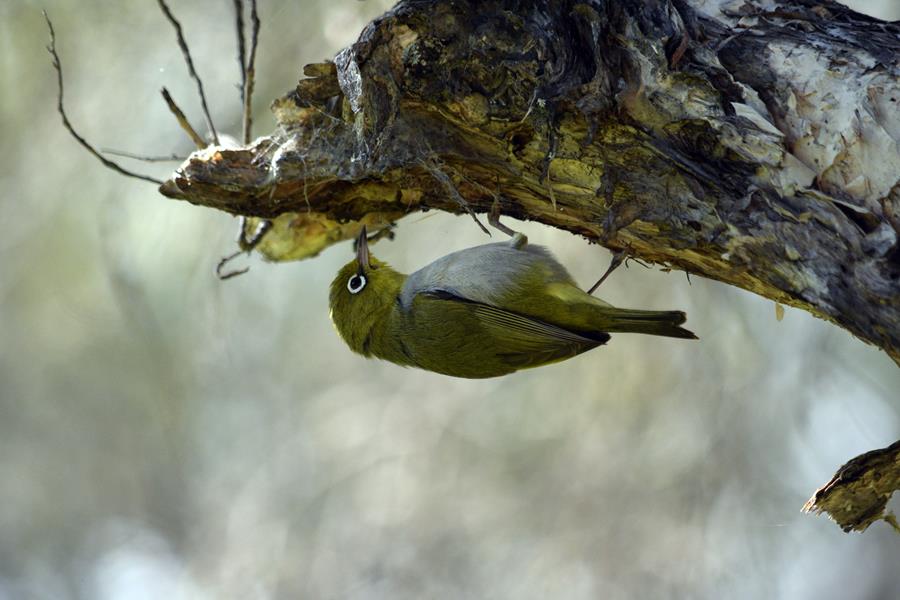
485	273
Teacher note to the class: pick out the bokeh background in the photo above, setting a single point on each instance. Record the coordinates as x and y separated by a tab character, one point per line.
167	435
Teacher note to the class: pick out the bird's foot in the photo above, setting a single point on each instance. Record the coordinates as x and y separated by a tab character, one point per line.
618	258
519	240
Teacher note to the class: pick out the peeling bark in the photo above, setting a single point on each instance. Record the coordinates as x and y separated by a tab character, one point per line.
755	142
858	493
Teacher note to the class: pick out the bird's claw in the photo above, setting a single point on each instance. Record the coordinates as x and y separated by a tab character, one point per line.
619	256
519	240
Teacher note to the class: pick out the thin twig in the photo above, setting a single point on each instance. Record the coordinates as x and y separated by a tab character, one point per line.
251	73
246	245
182	43
262	228
242	45
141	157
65	119
225	260
182	120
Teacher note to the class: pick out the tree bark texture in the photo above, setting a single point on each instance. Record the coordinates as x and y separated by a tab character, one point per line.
858	493
755	142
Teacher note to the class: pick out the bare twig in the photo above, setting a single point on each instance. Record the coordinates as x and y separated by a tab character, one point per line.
225	260
182	43
124	154
51	48
251	73
246	246
248	64
182	120
242	45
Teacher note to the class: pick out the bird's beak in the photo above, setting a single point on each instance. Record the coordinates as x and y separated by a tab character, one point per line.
362	249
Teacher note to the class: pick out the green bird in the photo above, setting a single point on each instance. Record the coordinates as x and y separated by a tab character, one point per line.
480	312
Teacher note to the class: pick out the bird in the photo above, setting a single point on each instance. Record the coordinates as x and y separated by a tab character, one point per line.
480	312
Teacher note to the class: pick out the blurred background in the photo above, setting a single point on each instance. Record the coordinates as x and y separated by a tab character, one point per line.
167	435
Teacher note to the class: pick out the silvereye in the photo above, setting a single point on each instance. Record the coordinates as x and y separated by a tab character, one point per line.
481	312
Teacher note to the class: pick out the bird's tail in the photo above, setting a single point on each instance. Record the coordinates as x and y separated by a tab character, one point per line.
652	322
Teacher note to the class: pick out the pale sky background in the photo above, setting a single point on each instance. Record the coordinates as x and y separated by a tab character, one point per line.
167	435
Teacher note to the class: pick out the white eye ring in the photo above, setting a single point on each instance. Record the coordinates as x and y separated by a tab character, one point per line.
356	283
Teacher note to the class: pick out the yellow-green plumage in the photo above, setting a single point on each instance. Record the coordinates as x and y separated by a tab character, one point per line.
481	312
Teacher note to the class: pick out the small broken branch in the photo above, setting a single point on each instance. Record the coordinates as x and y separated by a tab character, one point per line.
251	73
858	494
246	246
242	46
182	43
182	120
225	275
248	65
143	158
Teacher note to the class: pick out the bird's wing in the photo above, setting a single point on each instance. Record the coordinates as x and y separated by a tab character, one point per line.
510	338
489	274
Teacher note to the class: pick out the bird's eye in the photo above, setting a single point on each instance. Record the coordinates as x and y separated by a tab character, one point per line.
356	283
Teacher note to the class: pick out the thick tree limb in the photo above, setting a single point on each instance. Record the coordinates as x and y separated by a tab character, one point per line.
749	144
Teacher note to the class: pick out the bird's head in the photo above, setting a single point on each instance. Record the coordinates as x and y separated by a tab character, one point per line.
362	294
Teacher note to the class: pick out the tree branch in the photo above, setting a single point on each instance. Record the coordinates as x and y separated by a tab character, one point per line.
186	53
858	493
182	119
728	167
751	145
